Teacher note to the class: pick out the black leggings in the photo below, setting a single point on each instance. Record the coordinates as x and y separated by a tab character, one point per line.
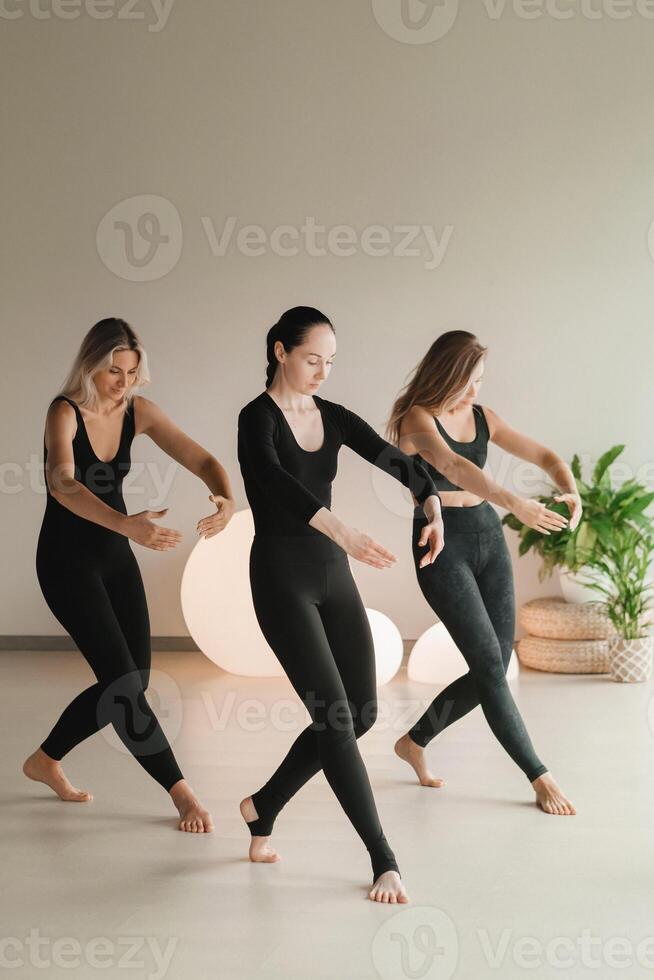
311	614
470	588
102	604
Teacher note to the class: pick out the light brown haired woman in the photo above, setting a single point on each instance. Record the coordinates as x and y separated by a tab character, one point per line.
470	584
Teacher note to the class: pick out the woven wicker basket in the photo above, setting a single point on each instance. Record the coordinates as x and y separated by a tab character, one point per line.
565	656
554	618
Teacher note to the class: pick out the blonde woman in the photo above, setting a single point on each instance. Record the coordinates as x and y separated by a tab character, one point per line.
437	420
86	568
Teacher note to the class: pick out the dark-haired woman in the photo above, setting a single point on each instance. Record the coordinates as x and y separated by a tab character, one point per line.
305	597
86	568
470	587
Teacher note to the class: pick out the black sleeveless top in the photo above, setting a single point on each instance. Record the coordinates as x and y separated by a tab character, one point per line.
475	451
285	484
61	528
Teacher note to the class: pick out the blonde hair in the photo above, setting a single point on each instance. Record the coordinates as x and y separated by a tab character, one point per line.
96	354
439	380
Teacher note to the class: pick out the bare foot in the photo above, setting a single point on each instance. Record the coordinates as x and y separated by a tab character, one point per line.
260	850
193	817
414	754
42	769
388	888
550	798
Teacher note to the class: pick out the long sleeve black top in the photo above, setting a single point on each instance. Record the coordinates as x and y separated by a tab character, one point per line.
286	485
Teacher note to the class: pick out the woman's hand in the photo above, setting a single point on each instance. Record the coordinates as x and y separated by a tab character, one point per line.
573	501
534	514
432	534
141	529
364	548
208	527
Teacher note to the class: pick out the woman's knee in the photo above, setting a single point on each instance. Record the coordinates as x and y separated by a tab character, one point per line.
365	716
122	702
345	716
490	671
128	684
334	722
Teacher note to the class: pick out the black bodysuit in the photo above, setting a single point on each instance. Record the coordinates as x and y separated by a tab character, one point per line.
308	605
92	583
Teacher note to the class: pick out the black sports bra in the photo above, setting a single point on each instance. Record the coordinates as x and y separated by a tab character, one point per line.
475	451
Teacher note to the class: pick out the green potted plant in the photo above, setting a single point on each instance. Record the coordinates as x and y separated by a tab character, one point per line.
605	508
619	573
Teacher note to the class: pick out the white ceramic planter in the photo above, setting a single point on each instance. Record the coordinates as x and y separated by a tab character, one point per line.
574	587
630	660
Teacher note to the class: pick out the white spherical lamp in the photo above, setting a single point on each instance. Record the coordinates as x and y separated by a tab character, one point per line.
388	646
435	659
219	614
217	602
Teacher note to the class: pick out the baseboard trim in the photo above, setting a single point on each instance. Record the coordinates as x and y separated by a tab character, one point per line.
159	643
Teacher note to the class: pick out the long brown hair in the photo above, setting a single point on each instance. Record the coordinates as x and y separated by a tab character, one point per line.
440	378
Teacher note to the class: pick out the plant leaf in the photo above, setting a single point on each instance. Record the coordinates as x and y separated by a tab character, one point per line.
600	473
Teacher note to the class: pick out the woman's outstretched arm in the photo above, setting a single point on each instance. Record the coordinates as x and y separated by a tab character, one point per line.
420	430
524	447
153	421
60	429
362	438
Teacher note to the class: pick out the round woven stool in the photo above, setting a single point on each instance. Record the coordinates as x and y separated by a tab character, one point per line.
564	656
552	617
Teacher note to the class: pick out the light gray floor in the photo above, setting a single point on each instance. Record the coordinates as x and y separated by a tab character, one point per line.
497	887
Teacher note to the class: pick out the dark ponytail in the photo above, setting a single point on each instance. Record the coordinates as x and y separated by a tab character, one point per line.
291	328
271	338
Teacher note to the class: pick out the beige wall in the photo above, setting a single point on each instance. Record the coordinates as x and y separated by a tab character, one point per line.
525	145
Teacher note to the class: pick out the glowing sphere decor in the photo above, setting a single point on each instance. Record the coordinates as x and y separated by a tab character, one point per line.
435	659
217	602
219	614
388	646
